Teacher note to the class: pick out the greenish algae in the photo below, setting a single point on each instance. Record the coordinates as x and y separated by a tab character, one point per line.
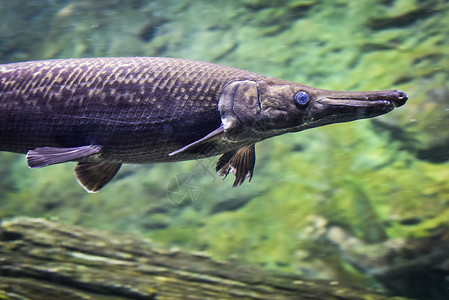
370	178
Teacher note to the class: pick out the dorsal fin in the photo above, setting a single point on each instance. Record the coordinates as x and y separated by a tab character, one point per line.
45	156
240	162
93	176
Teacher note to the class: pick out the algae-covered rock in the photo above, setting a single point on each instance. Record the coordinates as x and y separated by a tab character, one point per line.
48	260
411	267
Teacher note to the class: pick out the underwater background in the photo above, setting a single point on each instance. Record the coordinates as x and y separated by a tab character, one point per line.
364	203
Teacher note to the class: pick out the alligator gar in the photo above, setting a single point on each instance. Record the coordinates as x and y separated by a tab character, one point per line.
103	112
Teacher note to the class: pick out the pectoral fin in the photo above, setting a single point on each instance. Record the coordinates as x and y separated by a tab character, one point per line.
45	156
240	162
204	140
93	176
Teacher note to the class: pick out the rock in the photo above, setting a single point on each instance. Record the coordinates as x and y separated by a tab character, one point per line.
416	268
48	260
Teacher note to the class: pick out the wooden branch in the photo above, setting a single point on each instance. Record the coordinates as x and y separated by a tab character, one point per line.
40	259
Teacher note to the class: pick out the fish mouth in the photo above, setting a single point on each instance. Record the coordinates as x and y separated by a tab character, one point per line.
335	106
356	103
388	99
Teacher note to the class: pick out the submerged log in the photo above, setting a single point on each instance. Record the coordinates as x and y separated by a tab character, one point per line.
40	259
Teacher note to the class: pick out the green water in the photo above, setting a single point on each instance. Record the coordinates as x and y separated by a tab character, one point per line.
348	202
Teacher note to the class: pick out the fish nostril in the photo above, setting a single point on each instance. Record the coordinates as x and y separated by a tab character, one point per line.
401	98
402	95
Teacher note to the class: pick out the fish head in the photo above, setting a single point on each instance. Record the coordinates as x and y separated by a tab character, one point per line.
291	107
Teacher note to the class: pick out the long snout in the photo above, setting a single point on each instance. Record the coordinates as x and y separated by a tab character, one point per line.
335	106
388	98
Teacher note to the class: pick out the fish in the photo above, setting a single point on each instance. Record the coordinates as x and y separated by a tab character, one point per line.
105	112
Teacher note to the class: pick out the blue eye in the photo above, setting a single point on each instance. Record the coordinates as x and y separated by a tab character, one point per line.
302	98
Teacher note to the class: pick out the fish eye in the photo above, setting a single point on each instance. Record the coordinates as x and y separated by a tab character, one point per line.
302	98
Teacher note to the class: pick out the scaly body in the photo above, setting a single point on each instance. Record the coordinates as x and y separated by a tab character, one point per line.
138	109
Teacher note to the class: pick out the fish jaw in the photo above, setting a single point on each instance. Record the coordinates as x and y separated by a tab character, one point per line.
331	107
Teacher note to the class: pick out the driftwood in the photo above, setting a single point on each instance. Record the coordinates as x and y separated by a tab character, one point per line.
40	259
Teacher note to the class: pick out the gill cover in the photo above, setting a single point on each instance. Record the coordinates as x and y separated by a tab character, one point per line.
239	108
